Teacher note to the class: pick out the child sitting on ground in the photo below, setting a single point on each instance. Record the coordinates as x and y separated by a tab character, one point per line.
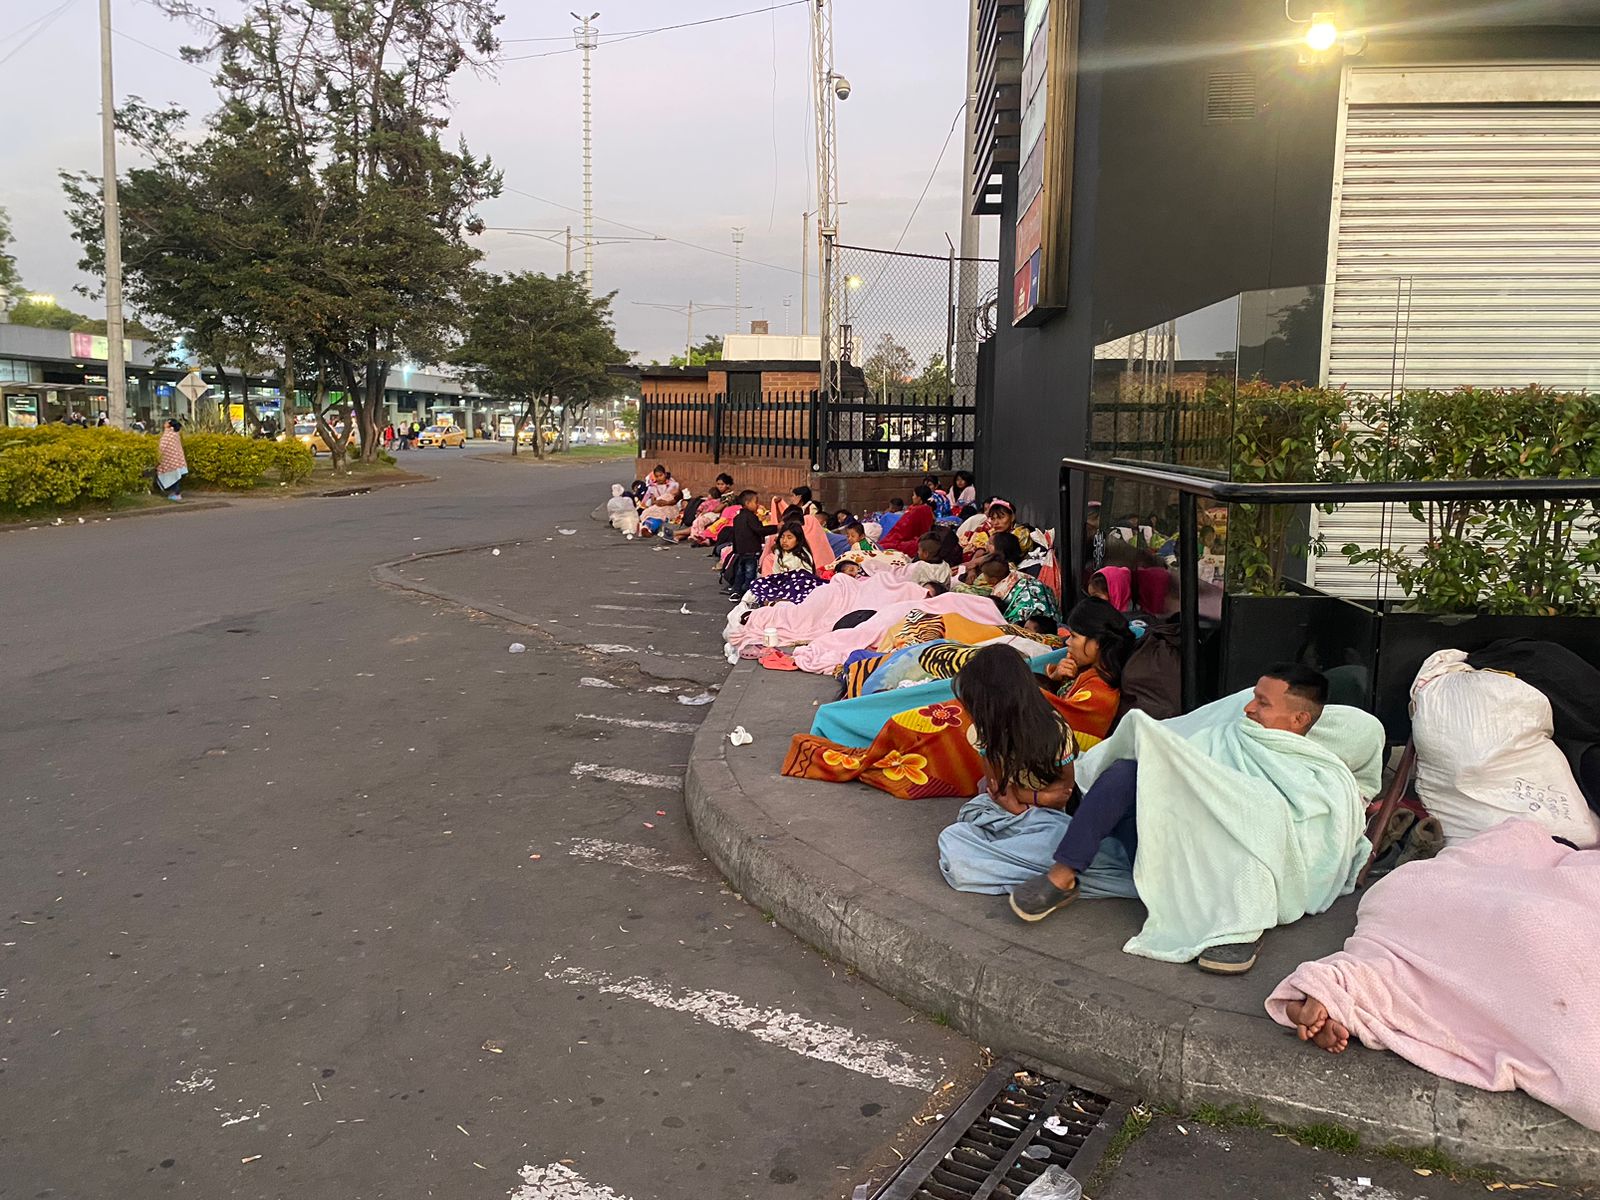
856	534
793	576
1027	746
929	566
749	535
792	553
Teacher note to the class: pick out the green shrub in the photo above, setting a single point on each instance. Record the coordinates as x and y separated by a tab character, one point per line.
225	460
58	465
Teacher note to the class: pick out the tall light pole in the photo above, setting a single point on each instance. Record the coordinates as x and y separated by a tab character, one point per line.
738	278
691	308
116	367
588	37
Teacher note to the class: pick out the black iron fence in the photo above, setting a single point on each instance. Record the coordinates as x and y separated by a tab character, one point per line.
890	431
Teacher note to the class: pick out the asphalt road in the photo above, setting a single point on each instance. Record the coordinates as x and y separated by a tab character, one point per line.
311	888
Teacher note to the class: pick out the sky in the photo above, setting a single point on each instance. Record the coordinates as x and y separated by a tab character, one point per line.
696	131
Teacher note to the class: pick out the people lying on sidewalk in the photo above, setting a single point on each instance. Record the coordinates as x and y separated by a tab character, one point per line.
749	535
1019	596
913	523
1239	821
1477	966
793	575
855	535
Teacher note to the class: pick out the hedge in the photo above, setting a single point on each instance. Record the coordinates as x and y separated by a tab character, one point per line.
224	460
60	465
56	466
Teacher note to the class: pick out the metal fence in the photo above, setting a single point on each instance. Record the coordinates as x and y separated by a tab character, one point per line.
1175	428
895	430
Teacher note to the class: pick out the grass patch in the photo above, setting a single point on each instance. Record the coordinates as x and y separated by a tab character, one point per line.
1230	1116
1134	1126
1436	1161
941	1019
1327	1137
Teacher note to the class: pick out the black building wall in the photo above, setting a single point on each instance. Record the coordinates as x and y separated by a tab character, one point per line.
1171	213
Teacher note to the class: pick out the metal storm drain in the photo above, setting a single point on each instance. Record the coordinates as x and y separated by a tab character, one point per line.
1003	1136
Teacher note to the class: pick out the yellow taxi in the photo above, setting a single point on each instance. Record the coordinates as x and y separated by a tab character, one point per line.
447	433
308	433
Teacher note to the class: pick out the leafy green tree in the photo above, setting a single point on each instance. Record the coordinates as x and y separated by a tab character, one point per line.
41	314
709	350
934	382
889	365
539	342
10	278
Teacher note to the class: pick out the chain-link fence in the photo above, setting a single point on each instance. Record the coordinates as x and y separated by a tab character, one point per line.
908	330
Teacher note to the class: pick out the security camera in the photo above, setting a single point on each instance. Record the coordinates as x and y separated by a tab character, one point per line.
841	87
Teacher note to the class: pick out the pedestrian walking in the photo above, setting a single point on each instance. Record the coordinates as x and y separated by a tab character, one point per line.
171	465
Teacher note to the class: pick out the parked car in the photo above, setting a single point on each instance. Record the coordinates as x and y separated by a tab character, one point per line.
308	433
442	435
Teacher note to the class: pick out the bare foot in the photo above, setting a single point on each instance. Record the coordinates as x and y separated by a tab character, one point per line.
1063	877
1333	1038
1309	1017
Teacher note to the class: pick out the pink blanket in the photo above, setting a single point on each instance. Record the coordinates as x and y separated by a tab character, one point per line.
1481	965
827	652
817	614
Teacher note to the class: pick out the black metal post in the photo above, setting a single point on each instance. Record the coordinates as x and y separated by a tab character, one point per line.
1189	595
716	428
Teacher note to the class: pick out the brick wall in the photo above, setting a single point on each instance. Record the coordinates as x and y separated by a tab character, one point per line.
863	492
696	472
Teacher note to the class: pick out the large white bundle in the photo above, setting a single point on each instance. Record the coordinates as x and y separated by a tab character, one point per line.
1484	753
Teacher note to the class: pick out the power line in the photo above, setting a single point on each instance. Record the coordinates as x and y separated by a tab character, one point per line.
663	237
937	163
631	34
177	58
41	26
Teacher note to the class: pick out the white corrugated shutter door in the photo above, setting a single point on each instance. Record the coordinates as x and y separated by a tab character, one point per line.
1466	251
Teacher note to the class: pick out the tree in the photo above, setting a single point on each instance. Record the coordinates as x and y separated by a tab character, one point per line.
323	221
889	365
934	382
45	314
709	350
10	279
538	342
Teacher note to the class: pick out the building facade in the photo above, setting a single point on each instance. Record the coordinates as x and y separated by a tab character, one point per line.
1418	205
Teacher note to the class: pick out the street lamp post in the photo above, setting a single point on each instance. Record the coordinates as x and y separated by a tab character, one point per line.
116	366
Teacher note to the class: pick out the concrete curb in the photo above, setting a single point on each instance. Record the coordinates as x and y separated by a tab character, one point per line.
1106	1030
101	517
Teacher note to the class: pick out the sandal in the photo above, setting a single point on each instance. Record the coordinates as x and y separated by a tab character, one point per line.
1035	899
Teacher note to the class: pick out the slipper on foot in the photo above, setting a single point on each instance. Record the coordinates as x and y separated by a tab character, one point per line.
1035	899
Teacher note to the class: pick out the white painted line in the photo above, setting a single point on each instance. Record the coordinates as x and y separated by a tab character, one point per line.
649	595
611	648
556	1182
624	608
669	783
789	1031
590	681
635	723
640	858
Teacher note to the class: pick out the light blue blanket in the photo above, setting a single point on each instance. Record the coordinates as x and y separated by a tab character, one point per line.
1241	828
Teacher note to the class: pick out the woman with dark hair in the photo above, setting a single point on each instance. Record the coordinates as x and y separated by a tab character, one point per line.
171	465
963	491
913	523
977	532
1099	643
1027	745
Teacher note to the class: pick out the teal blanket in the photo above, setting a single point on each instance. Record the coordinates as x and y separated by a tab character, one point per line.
1241	828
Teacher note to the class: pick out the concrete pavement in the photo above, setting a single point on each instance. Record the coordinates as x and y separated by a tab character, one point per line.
312	889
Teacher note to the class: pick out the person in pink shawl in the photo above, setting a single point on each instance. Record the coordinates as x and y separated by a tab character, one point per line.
1478	966
171	465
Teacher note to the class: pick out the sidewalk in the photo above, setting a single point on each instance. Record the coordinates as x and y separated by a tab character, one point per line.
855	873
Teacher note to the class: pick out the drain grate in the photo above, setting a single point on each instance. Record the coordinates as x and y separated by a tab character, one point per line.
1015	1124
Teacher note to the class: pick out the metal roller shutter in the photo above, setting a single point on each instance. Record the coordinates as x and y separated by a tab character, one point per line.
1466	251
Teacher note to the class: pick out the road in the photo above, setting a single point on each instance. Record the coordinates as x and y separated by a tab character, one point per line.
312	888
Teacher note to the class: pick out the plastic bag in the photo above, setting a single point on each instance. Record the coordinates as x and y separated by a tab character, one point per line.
1054	1184
1484	754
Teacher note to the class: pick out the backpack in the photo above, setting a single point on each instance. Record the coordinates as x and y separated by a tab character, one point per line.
1152	680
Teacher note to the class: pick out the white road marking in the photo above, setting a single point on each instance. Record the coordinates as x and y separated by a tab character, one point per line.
640	858
556	1182
649	595
623	608
789	1031
611	648
636	723
625	775
590	681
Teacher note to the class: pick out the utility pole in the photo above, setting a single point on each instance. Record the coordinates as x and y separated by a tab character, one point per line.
569	250
738	278
558	236
588	37
786	316
826	86
116	366
690	309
